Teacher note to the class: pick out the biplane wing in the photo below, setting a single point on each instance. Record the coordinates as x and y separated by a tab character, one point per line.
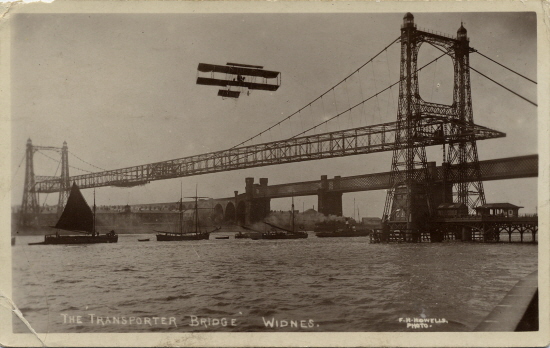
238	75
237	70
225	83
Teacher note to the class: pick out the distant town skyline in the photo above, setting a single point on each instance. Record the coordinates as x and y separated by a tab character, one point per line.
120	89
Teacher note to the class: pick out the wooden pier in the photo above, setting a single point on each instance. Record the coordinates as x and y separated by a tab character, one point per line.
483	229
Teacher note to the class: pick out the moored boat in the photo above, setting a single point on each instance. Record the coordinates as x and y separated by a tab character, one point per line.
78	217
74	239
180	235
144	240
344	233
176	236
284	234
341	228
241	235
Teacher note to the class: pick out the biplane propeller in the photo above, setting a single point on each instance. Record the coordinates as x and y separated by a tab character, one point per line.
240	76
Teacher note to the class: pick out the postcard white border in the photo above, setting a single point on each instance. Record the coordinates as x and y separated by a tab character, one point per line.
290	339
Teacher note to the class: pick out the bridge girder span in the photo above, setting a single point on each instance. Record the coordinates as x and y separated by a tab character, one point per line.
356	141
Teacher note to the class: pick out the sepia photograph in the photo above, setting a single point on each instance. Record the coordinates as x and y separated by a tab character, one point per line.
274	169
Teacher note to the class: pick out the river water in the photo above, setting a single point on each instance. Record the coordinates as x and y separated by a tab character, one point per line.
314	284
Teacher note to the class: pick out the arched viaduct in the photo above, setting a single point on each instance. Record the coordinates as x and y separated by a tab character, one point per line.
254	204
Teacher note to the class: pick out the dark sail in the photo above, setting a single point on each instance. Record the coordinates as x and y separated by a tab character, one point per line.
77	215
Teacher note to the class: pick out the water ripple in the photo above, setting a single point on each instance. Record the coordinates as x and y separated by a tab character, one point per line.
343	285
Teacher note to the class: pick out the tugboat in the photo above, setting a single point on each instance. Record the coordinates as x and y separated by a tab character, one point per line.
349	231
341	229
195	234
253	234
282	233
78	217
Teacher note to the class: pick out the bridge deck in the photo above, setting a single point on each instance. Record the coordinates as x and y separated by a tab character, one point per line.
355	141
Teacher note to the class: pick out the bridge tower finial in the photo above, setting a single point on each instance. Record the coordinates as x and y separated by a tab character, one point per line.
462	33
408	20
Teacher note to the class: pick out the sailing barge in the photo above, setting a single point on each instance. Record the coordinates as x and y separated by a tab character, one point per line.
78	217
180	234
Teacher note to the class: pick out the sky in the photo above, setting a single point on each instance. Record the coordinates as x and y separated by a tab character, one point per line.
121	90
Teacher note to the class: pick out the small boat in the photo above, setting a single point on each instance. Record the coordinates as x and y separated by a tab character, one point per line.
78	217
241	235
180	235
144	240
176	236
224	237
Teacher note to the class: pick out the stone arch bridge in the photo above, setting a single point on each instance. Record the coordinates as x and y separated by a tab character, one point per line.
254	204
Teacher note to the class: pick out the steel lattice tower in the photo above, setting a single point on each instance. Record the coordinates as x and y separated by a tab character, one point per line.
64	184
408	197
30	207
462	158
412	198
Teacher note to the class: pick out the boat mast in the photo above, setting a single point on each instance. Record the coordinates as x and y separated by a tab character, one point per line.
293	214
196	210
93	225
181	208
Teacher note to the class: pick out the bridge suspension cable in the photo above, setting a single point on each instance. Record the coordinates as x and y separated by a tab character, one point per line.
506	88
43	154
53	159
490	79
48	193
368	139
19	166
364	101
320	97
88	163
505	67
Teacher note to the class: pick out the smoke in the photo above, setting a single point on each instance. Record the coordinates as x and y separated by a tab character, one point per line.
306	220
149	222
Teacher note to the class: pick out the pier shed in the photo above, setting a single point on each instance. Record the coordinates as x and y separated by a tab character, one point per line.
452	210
498	209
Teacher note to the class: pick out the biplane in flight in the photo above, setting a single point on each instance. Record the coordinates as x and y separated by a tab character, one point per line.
237	77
